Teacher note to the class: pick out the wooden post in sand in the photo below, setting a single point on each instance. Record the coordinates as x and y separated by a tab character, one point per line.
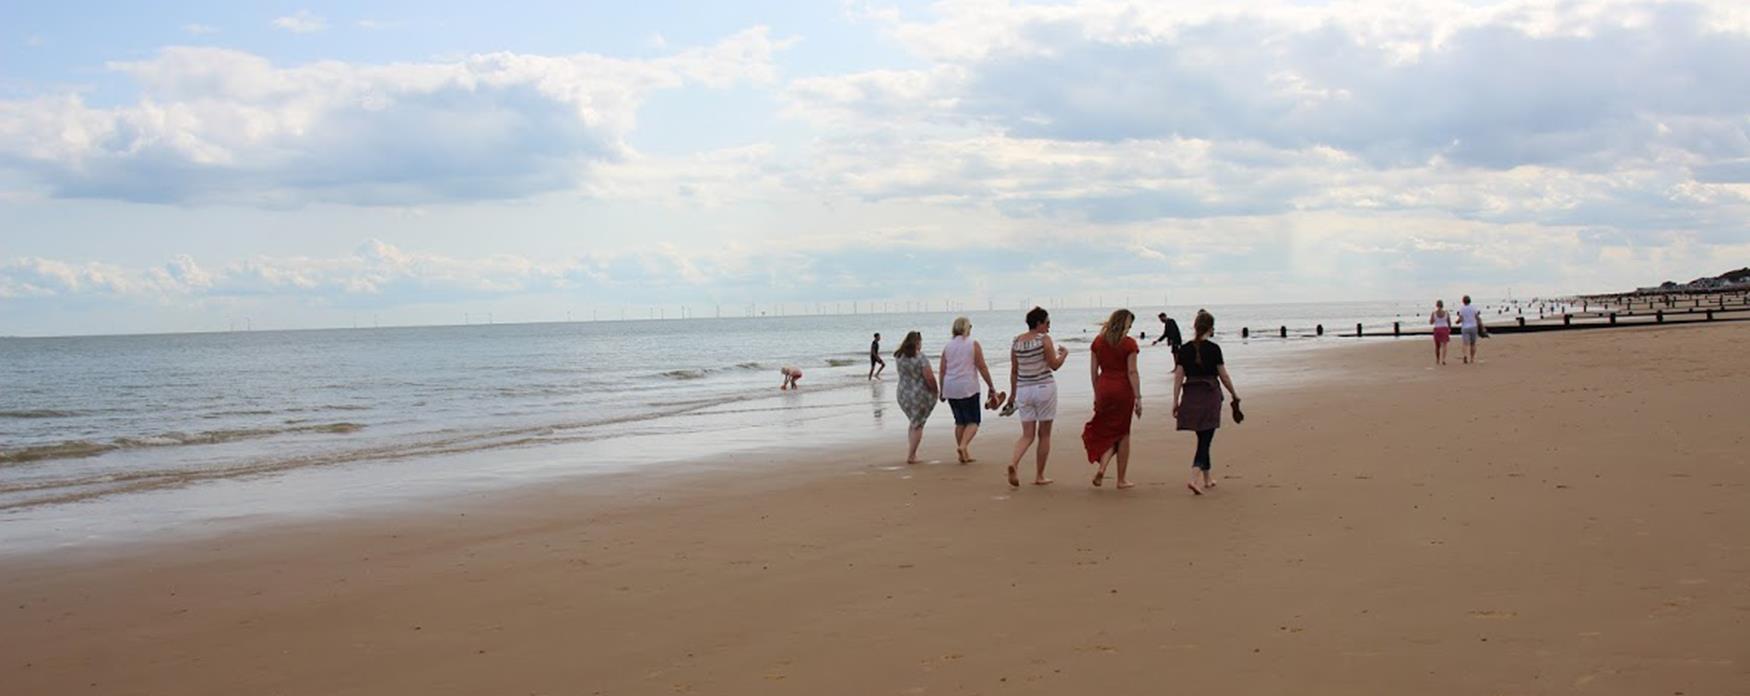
1660	316
1284	331
1613	318
1321	329
1396	331
1245	332
1567	320
1710	315
1358	330
1521	322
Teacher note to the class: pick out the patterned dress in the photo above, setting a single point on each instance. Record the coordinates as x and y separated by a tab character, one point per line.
915	397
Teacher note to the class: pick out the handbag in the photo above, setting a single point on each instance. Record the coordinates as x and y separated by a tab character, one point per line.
1239	417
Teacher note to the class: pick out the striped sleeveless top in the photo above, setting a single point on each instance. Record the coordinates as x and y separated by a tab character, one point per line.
1030	366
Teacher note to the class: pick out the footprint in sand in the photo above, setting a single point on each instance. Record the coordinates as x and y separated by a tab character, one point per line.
1493	614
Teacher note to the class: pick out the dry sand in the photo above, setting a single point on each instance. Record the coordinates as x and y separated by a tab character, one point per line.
1569	516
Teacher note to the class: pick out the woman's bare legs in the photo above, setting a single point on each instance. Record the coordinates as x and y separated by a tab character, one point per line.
963	435
913	436
1100	473
1123	463
1021	445
1042	453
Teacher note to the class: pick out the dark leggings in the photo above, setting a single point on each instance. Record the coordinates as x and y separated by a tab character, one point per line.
1201	459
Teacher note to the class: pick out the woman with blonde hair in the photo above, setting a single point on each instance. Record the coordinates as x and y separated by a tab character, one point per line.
962	365
1117	396
917	390
1197	383
1442	321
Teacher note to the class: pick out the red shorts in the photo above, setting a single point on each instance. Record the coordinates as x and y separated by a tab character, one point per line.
1442	334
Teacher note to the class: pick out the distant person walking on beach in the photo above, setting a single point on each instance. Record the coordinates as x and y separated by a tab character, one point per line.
1033	391
962	365
1117	396
791	374
1169	333
1470	324
1197	383
1442	321
876	364
917	390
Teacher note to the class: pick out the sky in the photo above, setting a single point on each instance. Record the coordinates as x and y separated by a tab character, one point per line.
200	166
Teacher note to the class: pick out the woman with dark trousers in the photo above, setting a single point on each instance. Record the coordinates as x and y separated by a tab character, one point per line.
1197	384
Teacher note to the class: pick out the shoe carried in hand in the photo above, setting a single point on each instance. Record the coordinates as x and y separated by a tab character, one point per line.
995	401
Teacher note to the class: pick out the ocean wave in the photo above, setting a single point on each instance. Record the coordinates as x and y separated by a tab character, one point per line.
78	449
691	373
687	374
841	362
39	413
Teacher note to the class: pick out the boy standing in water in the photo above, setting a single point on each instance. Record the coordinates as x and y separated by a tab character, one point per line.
876	364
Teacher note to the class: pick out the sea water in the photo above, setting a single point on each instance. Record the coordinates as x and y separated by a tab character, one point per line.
102	433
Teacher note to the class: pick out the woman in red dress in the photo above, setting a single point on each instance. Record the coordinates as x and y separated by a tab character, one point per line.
1117	395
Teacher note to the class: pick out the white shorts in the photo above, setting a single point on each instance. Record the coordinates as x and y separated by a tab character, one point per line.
1036	402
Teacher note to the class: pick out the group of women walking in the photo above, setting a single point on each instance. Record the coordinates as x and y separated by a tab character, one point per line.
1199	376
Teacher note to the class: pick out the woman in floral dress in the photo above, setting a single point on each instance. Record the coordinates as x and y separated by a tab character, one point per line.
917	390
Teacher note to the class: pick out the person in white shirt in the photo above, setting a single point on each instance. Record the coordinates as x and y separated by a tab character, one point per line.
961	367
1470	323
1442	321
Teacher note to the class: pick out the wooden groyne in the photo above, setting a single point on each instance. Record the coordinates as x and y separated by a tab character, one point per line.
1567	314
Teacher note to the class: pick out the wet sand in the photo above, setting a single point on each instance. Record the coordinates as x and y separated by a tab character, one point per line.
1569	516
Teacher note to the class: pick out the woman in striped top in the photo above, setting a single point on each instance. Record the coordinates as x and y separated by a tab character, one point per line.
1033	391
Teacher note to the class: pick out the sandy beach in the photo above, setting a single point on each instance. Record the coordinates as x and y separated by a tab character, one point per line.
1568	516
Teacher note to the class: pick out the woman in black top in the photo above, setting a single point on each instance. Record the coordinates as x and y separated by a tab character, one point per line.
1197	383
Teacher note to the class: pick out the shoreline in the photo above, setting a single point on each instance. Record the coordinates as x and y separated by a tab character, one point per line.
765	426
1584	536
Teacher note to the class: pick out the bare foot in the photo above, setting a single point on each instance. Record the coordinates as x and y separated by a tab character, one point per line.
1014	479
914	461
1194	489
1209	483
1099	477
1043	482
1125	484
969	458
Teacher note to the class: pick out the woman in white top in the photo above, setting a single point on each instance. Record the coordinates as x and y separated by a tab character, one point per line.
1442	321
1033	392
962	365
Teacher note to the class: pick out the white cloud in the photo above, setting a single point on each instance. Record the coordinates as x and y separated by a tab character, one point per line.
217	125
301	23
1600	113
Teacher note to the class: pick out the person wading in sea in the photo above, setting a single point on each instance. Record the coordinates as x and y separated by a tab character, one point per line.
876	364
